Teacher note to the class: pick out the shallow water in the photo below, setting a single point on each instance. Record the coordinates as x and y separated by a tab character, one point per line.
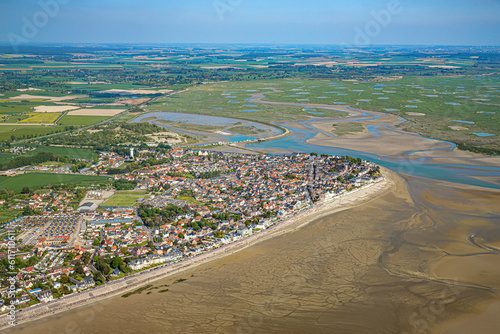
465	122
211	121
297	143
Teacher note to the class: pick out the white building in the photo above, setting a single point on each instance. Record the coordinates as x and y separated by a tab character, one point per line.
150	260
45	296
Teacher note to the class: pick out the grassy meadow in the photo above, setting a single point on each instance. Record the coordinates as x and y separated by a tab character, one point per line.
81	120
124	199
37	180
228	99
459	109
17	132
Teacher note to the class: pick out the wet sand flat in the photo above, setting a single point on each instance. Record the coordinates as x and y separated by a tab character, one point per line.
481	323
384	140
390	142
387	140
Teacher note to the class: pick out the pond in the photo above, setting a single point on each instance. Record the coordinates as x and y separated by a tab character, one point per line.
465	122
484	134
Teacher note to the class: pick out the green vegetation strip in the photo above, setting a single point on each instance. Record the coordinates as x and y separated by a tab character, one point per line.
81	120
37	180
342	129
180	280
138	291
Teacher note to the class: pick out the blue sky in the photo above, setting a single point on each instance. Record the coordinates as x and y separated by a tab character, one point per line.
430	22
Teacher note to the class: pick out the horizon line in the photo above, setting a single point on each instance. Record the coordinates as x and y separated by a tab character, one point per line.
7	43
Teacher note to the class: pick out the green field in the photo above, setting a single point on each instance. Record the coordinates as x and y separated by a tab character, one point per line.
13	118
126	117
24	131
81	120
14	93
69	152
6	157
9	107
75	153
131	192
123	199
189	199
8	214
37	180
15	108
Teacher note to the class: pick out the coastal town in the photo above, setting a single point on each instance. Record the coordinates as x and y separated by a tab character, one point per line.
252	167
189	203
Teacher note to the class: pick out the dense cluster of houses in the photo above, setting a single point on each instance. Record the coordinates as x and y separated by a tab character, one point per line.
171	255
250	192
46	203
19	149
224	198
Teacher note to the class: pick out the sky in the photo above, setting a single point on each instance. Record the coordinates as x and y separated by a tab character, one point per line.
351	22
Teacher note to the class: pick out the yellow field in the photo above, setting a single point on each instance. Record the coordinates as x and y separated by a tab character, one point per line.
37	117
